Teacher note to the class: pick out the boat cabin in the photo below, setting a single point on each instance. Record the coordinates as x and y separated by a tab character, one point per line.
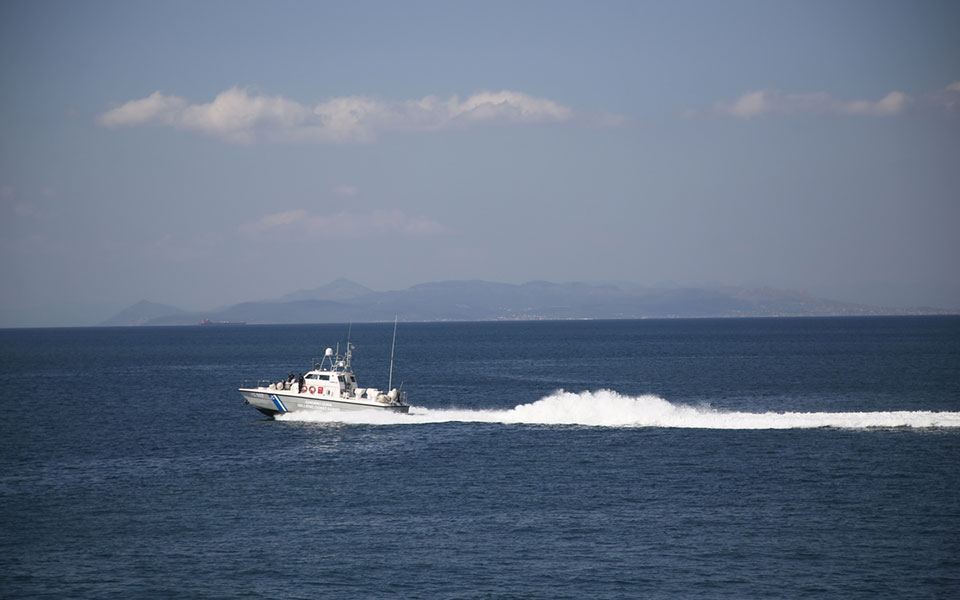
329	383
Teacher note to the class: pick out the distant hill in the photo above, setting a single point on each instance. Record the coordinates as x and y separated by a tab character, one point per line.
339	289
142	313
344	301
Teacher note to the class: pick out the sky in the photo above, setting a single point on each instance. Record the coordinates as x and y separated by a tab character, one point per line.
200	154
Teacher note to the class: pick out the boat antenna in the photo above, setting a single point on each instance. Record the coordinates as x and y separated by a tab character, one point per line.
392	347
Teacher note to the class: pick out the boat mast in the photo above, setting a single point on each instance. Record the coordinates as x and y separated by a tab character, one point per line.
349	354
392	347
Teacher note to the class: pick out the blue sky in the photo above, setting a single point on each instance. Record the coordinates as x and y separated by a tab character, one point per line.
205	153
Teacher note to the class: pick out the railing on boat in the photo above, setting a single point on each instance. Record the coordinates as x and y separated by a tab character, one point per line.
258	383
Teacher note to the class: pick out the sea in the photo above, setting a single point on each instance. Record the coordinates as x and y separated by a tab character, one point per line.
728	458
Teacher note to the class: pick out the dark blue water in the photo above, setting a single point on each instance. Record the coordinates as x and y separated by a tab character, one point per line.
130	466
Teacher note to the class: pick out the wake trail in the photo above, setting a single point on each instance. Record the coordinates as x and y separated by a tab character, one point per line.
607	408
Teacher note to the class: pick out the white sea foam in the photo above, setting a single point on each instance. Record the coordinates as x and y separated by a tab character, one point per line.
606	408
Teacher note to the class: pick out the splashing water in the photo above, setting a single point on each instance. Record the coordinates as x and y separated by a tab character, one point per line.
607	408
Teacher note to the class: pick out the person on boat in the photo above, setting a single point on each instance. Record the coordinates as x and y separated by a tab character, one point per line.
300	383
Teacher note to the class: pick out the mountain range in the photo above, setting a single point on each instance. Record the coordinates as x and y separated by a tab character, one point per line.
343	301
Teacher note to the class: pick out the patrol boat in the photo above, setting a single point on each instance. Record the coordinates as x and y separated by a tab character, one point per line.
330	386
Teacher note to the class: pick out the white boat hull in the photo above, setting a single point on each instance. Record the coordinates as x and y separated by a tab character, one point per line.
274	402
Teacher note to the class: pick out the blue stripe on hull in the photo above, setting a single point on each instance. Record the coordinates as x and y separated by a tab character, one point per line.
278	402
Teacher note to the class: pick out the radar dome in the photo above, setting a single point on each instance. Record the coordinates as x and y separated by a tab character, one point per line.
329	352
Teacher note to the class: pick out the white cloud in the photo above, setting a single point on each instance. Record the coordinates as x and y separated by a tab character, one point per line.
155	108
25	209
515	106
346	191
891	104
949	97
34	209
237	115
750	105
279	219
346	224
759	103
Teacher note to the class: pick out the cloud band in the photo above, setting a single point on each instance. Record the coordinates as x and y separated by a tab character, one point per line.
347	224
240	116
